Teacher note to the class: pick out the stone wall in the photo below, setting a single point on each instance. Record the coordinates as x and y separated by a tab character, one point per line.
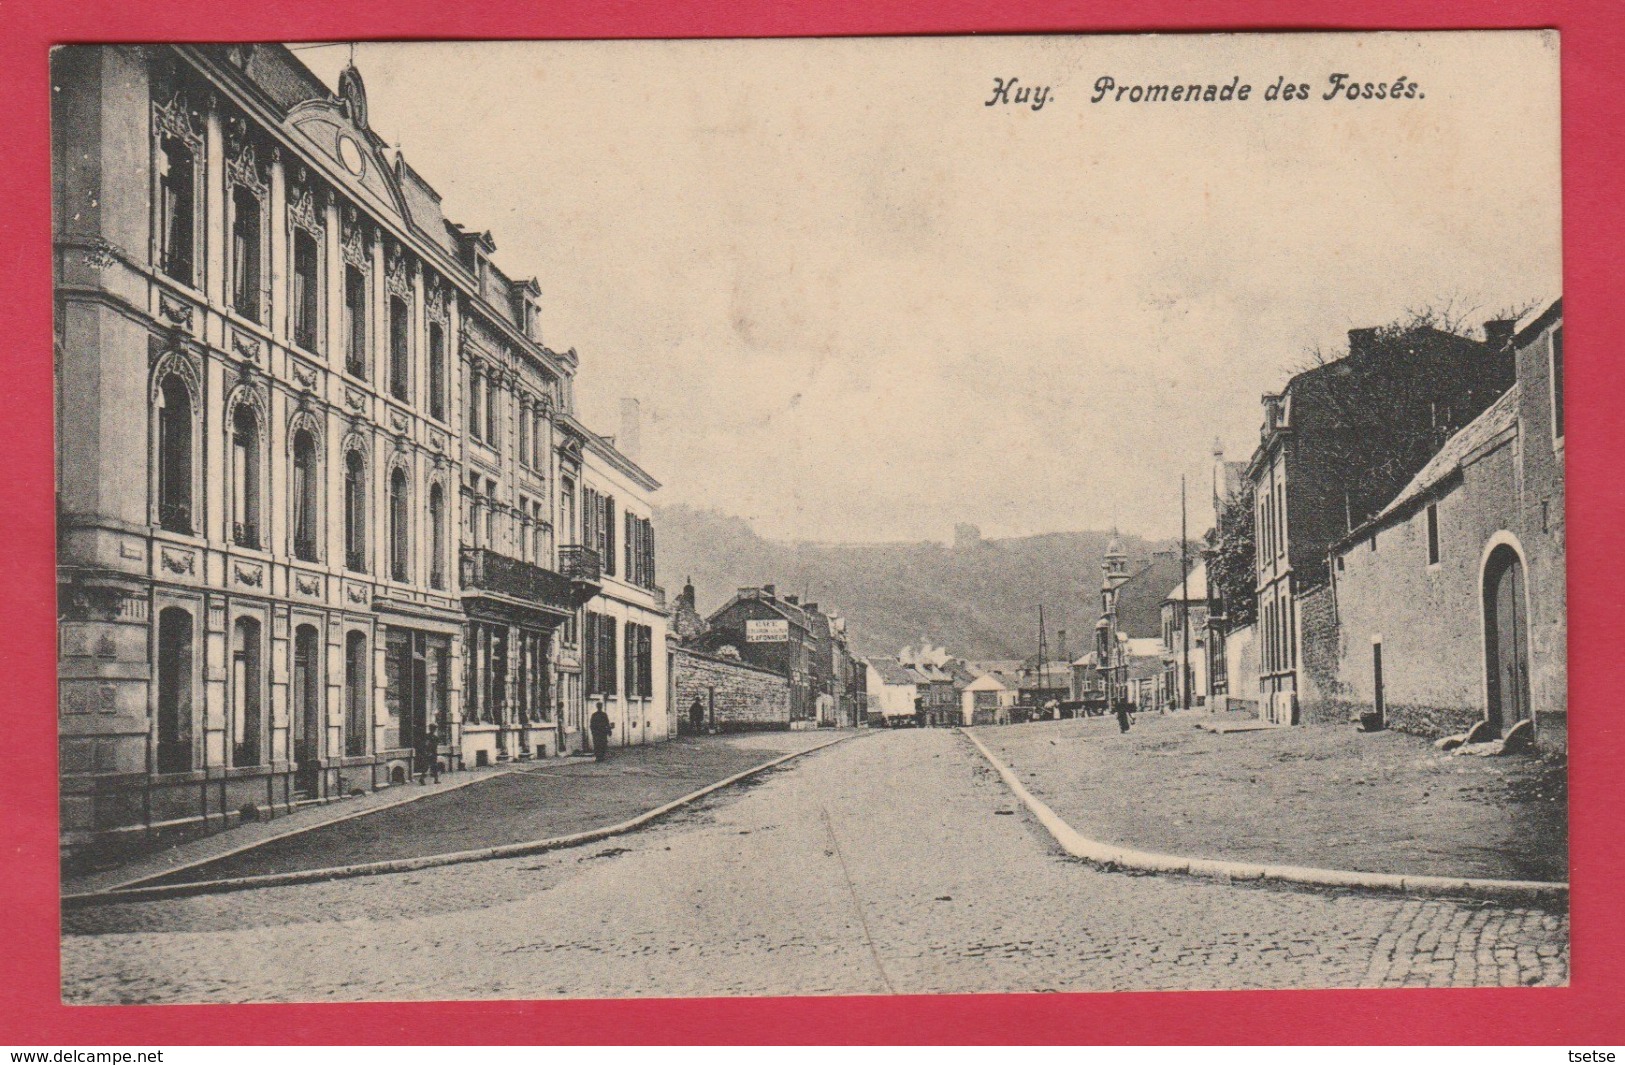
736	696
1323	697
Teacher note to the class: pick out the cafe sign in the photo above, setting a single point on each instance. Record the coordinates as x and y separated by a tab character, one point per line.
769	631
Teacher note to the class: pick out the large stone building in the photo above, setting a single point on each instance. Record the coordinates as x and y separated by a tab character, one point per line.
320	482
1336	444
1451	602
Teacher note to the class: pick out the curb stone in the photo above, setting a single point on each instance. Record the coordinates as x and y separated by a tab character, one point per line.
1112	858
428	861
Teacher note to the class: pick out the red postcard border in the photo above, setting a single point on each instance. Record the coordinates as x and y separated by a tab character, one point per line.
1590	1010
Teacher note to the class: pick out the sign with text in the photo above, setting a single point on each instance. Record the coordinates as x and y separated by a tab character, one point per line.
776	630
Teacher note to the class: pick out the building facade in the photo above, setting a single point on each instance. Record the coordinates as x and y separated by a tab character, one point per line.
312	455
1130	622
1334	447
1451	602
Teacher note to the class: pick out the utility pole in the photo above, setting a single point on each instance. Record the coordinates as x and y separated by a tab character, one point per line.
1043	653
1184	602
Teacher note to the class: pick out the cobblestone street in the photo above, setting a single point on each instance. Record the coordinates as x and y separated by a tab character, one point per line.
895	862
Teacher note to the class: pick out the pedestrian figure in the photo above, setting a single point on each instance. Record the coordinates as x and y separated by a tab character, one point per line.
1122	717
429	755
696	716
601	728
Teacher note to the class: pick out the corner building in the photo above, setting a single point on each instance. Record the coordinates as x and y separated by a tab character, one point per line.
318	475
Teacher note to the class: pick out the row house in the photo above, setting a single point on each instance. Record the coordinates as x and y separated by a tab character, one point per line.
1336	444
1186	672
314	462
1451	601
1129	632
893	689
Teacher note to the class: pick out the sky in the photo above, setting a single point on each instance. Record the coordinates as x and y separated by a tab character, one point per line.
856	302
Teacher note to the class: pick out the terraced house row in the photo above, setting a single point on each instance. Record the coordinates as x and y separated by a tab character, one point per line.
321	483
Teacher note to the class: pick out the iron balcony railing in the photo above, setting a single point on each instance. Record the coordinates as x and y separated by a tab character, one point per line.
486	570
581	564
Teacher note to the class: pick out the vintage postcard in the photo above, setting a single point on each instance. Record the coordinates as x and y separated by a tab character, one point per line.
810	517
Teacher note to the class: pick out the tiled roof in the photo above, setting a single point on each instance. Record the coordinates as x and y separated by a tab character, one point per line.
1196	580
892	671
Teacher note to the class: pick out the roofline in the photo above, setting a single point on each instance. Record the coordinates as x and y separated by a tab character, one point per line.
607	451
252	99
1534	328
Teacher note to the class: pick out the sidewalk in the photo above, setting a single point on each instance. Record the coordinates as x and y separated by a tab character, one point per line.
513	804
1325	797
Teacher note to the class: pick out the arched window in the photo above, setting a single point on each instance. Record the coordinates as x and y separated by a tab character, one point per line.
437	371
248	722
355	512
174	691
399	521
437	536
175	455
177	210
356	691
304	494
245	477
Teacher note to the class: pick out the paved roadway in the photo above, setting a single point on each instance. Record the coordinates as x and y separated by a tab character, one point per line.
894	862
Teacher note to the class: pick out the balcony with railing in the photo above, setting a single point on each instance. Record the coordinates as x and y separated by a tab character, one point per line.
581	565
484	570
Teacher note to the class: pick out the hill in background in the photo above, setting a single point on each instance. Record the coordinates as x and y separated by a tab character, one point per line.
978	598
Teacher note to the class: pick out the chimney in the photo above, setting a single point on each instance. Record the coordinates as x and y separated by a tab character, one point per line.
1362	342
793	600
770	591
1498	334
812	608
630	438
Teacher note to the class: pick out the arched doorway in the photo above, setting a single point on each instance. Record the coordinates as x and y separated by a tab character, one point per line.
1506	640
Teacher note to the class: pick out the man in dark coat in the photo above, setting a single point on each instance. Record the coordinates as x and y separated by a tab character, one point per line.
429	755
696	716
1122	717
600	726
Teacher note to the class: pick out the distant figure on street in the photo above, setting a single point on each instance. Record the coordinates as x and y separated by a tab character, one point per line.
429	755
1122	717
601	728
696	716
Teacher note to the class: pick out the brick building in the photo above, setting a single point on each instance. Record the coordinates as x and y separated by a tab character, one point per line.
1335	446
774	633
1451	601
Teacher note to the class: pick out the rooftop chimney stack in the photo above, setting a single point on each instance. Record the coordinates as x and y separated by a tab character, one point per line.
630	438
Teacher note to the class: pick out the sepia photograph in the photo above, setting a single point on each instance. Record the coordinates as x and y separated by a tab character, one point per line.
830	516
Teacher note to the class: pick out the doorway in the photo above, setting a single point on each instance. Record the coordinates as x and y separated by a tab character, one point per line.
307	718
1506	640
